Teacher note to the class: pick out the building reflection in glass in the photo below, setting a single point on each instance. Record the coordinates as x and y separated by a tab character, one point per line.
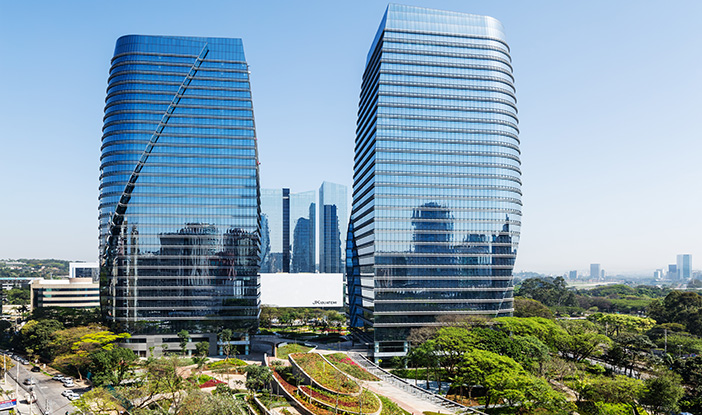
436	210
179	188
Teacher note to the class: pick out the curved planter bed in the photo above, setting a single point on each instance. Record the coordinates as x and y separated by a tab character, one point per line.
299	370
355	379
332	407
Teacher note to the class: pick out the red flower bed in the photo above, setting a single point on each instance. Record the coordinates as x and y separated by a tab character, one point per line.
210	383
349	403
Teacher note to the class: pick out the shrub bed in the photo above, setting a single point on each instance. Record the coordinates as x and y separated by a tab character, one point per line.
390	407
371	404
284	351
292	390
348	366
325	374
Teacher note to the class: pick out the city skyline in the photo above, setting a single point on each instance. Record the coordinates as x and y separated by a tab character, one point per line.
606	126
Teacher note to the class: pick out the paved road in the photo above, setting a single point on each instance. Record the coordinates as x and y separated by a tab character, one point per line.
48	392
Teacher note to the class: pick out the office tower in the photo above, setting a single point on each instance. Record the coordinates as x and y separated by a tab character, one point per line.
271	230
595	271
672	272
436	210
658	274
179	188
288	223
333	223
303	239
573	275
684	267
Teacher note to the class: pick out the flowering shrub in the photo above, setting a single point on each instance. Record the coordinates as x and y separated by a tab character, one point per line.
348	366
325	374
210	383
347	403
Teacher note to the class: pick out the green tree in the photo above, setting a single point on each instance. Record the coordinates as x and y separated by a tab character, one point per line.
36	337
258	377
663	392
684	307
543	329
17	296
225	336
527	307
619	389
80	356
97	401
615	324
184	337
202	348
423	355
583	340
477	365
111	367
451	343
531	351
552	292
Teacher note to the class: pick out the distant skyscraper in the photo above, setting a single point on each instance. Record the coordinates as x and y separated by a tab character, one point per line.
684	267
272	230
288	221
179	188
437	184
673	272
595	271
333	224
573	275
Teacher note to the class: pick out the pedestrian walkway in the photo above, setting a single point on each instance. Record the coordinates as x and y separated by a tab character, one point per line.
406	394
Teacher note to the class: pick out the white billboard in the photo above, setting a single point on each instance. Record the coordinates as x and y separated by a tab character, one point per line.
302	290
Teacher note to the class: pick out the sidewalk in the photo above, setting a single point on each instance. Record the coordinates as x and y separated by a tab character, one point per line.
407	401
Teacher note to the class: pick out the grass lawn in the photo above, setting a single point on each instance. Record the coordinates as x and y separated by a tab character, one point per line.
284	351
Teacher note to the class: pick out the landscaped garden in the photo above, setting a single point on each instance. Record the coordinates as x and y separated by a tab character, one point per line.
283	351
325	374
323	402
390	407
230	365
366	402
348	366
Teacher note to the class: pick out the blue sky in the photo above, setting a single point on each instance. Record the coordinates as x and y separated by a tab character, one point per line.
608	98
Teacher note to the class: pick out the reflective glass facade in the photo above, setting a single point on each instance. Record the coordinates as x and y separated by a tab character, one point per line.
271	230
436	211
333	221
179	188
288	223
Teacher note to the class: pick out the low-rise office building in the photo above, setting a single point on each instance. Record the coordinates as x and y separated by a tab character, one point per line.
66	292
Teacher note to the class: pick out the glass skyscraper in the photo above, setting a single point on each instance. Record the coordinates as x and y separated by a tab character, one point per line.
179	188
436	210
333	222
288	222
272	230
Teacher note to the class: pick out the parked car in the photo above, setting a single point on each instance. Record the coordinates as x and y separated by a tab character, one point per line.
35	369
73	396
66	392
30	381
58	377
68	384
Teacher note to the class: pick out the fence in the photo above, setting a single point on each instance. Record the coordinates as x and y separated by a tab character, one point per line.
410	388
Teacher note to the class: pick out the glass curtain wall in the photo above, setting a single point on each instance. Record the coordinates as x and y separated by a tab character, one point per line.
179	188
303	220
437	185
333	223
271	230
